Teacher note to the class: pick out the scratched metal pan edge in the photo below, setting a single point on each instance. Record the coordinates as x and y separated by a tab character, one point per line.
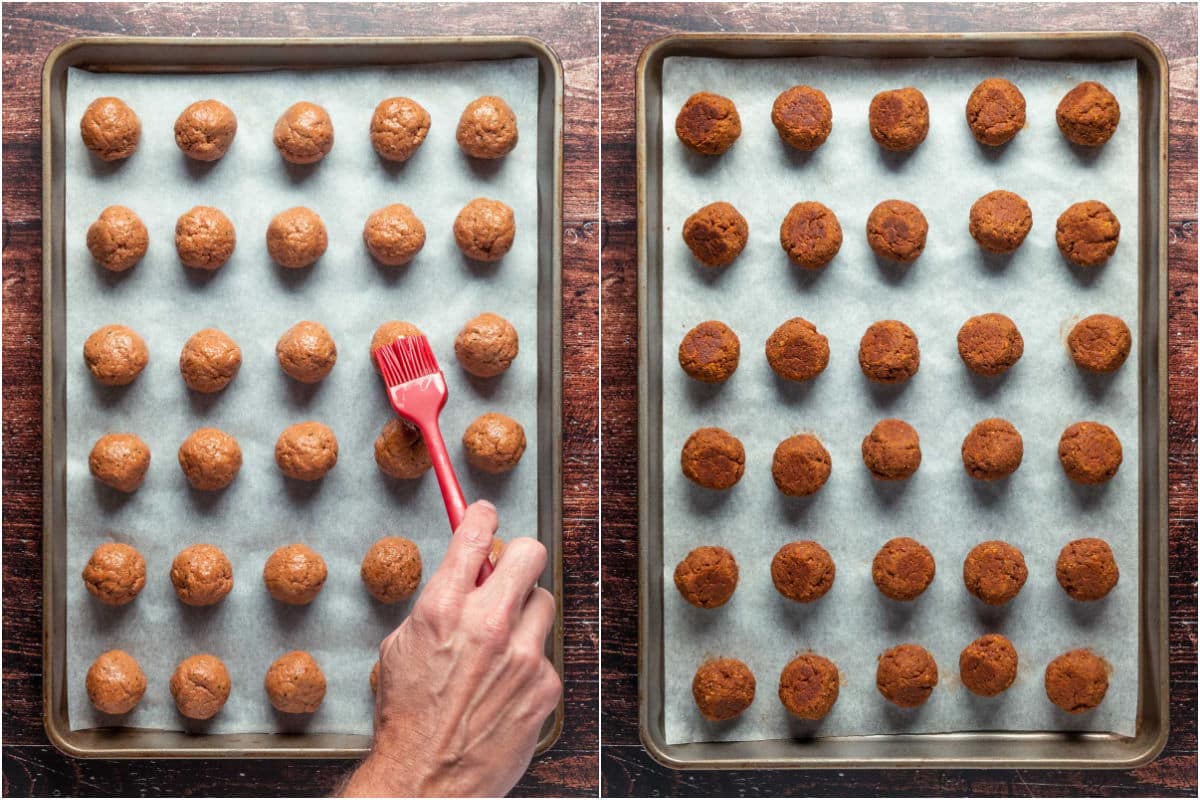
246	54
961	750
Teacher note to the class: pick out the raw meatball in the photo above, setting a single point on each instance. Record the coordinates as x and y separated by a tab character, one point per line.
708	124
988	665
889	352
306	352
1100	343
200	686
899	118
115	574
398	127
1087	233
1000	221
1089	452
110	129
205	130
810	234
992	450
707	577
797	351
1086	569
802	571
801	465
304	133
486	345
400	450
990	343
1088	115
710	352
391	569
906	675
713	458
296	238
117	239
1077	681
995	111
115	355
209	361
294	574
394	235
295	684
494	443
487	128
119	460
484	229
903	569
723	688
202	575
892	450
210	459
115	682
204	238
306	451
994	571
389	332
803	117
808	686
716	234
896	230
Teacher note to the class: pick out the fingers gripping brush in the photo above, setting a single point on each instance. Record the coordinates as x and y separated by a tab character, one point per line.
417	390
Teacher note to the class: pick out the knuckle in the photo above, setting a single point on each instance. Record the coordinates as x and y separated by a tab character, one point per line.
495	629
437	606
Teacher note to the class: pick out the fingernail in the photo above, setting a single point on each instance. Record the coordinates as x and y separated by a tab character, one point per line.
486	504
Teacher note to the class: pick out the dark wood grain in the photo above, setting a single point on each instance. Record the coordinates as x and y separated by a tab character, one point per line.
625	30
31	31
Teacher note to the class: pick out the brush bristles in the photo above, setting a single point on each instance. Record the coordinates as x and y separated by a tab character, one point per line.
389	365
412	358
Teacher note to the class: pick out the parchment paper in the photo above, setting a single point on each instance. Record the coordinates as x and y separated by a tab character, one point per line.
255	301
1037	508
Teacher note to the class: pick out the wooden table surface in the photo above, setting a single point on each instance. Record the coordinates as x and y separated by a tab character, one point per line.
31	765
625	31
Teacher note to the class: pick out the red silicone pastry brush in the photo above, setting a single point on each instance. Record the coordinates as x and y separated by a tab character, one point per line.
418	393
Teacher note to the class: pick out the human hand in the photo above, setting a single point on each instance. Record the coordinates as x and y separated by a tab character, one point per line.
464	682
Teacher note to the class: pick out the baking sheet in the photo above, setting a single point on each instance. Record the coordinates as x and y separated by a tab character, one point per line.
254	301
1037	508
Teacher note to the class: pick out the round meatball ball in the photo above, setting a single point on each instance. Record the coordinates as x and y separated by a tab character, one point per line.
400	450
117	239
393	235
200	686
994	571
808	686
115	574
1000	221
486	345
708	124
906	675
1086	569
487	128
810	234
710	352
115	355
115	682
296	238
802	571
484	229
903	569
716	234
205	130
306	352
713	458
1100	343
1089	452
896	230
389	332
889	352
801	465
707	577
391	569
110	129
892	450
120	461
398	127
797	351
1087	233
989	344
995	111
295	683
209	361
899	119
723	688
210	459
306	451
204	238
1088	115
803	117
1077	681
494	443
988	665
992	450
294	574
304	133
202	575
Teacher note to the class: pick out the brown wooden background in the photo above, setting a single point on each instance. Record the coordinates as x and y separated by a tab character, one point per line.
31	765
626	29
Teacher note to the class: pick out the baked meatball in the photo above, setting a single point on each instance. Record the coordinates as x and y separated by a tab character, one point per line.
889	352
400	450
115	355
389	332
1087	233
295	684
797	351
994	571
304	133
1077	681
484	229
892	450
209	361
115	574
306	352
723	688
906	675
296	238
494	443
205	130
988	665
200	686
710	352
903	569
990	343
110	129
1088	115
803	117
391	569
117	239
808	686
713	458
294	574
306	451
398	127
716	234
210	459
995	111
896	230
204	238
803	571
992	450
708	124
202	575
1089	452
1000	221
810	234
487	128
801	465
393	235
486	345
120	461
707	577
899	119
1100	343
115	682
1086	569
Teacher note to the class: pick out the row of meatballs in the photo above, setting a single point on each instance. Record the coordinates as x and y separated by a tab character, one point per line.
303	134
906	675
296	237
1089	452
1087	115
1086	233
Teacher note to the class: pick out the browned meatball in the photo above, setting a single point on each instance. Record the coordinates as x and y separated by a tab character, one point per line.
992	450
892	450
1087	233
903	569
119	460
394	235
906	675
808	686
995	111
209	361
1086	569
990	343
204	238
1089	452
803	117
988	665
117	239
487	128
1077	681
389	332
202	575
708	124
304	133
296	238
295	683
716	234
723	688
115	682
484	229
810	234
210	459
306	352
294	574
115	573
801	465
994	571
205	130
110	129
1000	221
797	351
486	345
115	355
306	451
896	230
710	352
391	569
899	118
398	127
1100	343
494	443
889	352
713	458
400	450
803	571
1088	115
200	686
707	576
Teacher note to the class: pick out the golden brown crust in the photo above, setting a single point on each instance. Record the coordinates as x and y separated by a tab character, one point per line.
1086	569
990	343
803	571
296	238
1077	681
295	683
801	465
1089	452
803	117
1088	115
200	686
707	576
713	458
210	459
306	352
710	352
992	450
205	130
723	688
487	128
394	235
201	575
295	574
115	573
119	460
306	451
903	569
797	351
209	361
304	133
486	345
1100	343
810	234
906	675
117	239
1087	233
115	355
398	127
708	123
494	443
994	571
400	450
1000	221
808	686
484	229
995	111
899	119
204	238
892	450
391	569
988	665
889	352
110	129
716	234
115	682
896	230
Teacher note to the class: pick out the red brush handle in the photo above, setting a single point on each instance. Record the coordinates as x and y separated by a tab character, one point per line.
452	494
